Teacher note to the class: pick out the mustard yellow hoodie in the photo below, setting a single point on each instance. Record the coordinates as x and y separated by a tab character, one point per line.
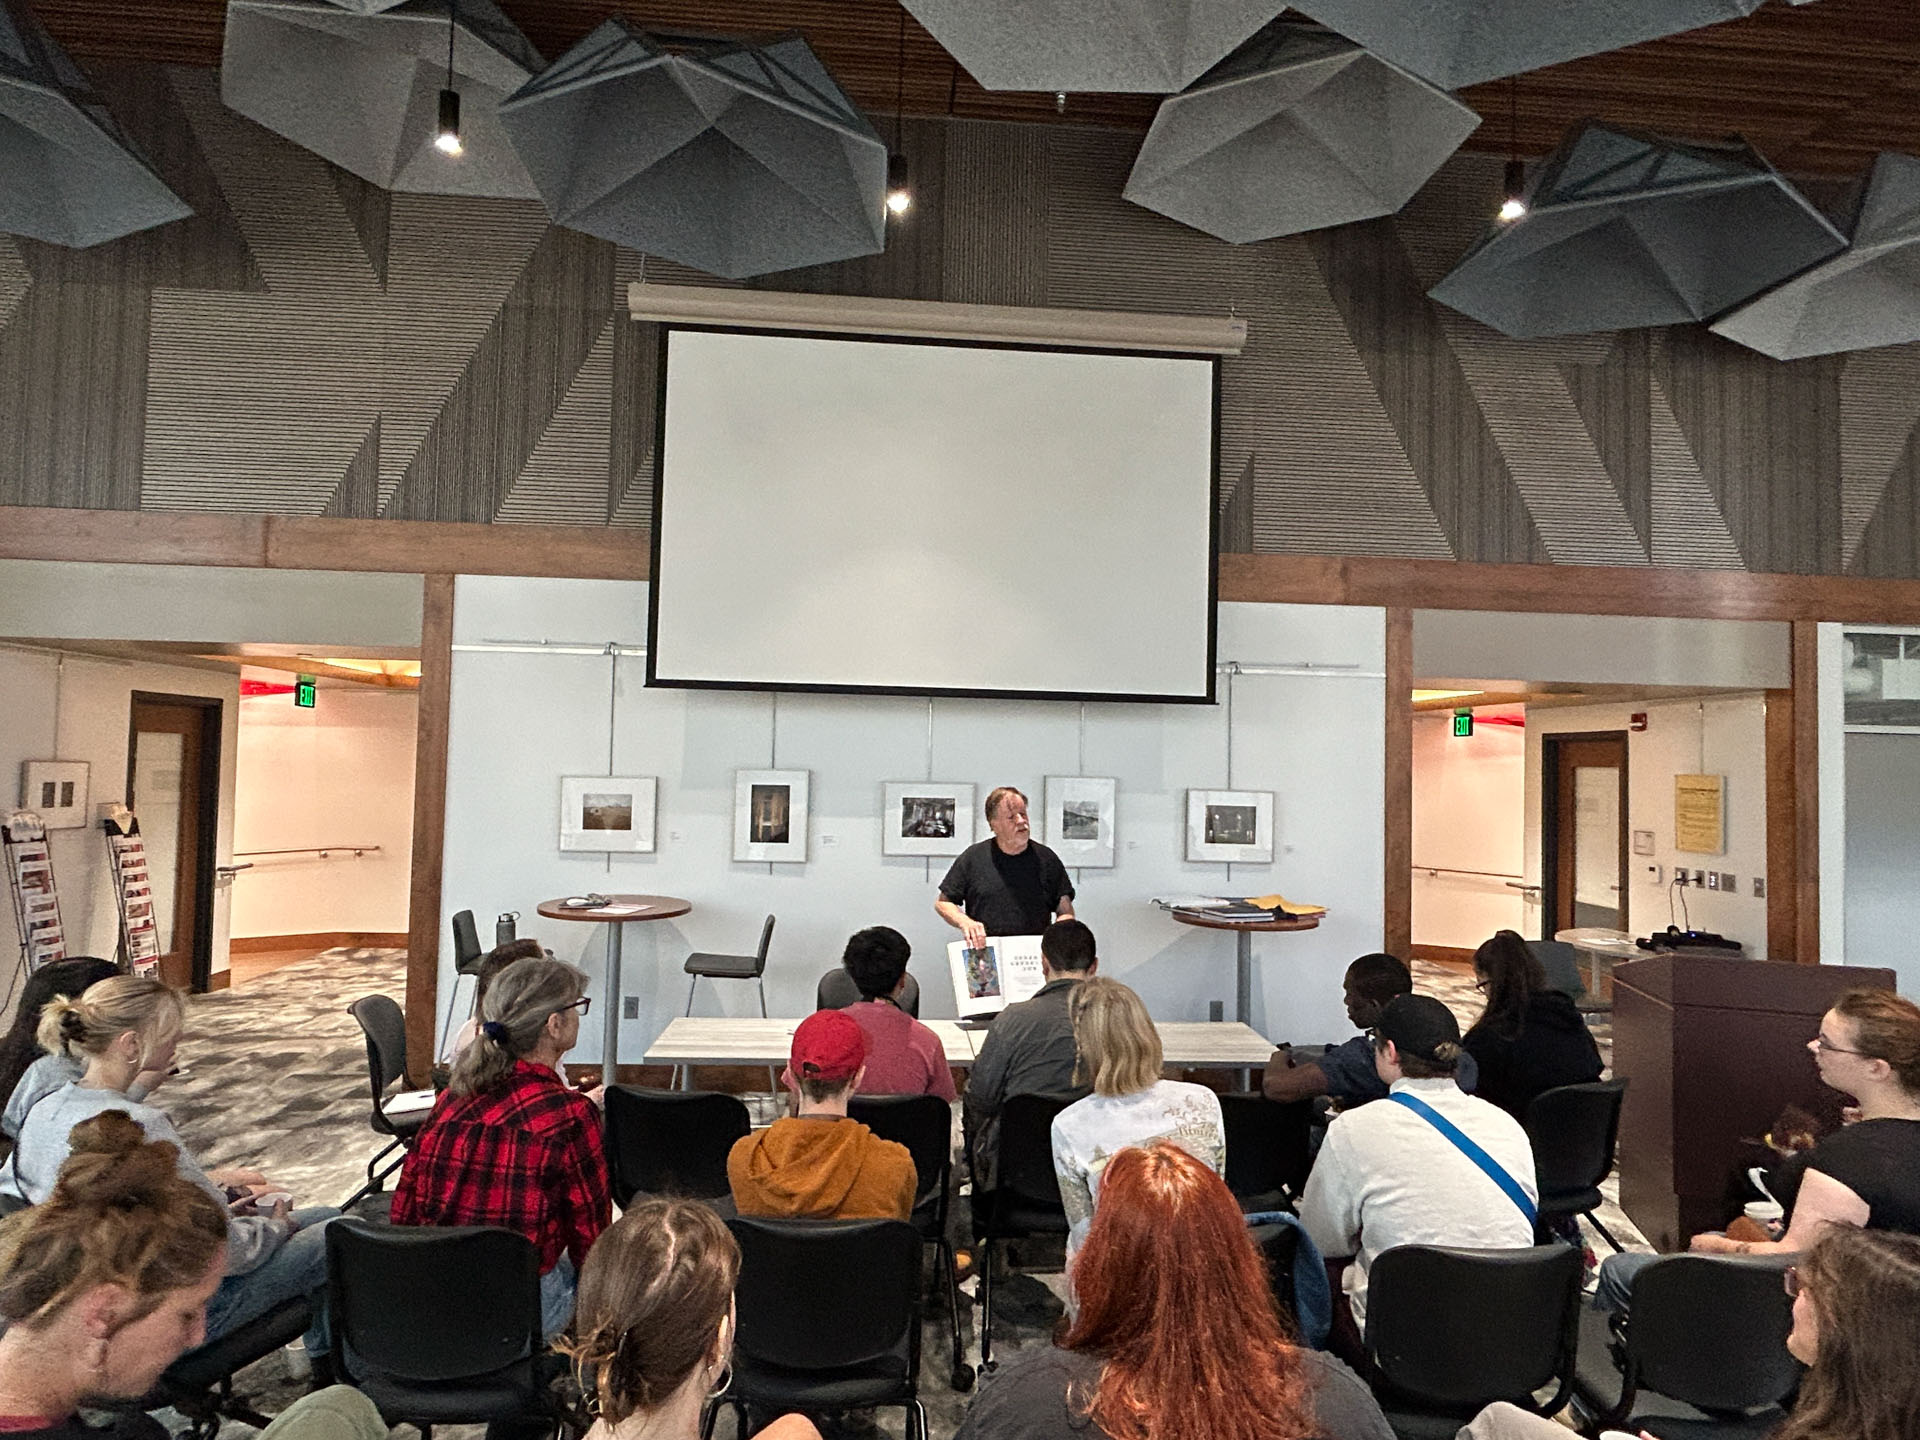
821	1167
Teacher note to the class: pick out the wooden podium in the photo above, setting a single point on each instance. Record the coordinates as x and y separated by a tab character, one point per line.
1712	1050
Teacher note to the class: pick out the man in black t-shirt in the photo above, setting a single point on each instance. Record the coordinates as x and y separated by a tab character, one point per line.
1009	885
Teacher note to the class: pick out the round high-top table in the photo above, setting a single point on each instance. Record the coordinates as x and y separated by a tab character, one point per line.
615	914
1243	947
1596	941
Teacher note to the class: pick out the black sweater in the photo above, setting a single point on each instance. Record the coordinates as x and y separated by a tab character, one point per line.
1553	1047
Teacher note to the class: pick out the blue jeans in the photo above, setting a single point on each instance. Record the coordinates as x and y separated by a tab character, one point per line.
557	1289
1617	1274
298	1267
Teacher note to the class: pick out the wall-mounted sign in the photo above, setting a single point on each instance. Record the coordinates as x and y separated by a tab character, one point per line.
1462	723
305	692
1700	814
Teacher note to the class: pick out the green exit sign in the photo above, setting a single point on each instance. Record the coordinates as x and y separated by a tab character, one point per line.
305	690
1462	722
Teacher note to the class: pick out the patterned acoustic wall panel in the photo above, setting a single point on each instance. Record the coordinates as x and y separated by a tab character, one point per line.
308	344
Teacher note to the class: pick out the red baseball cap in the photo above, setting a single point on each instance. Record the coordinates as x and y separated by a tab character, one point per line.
828	1045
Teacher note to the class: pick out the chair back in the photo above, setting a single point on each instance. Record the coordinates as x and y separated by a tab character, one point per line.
1711	1330
924	1124
1278	1245
1026	1149
1459	1329
1561	962
671	1142
425	1303
836	991
466	943
1573	1129
760	955
822	1295
385	1026
1267	1145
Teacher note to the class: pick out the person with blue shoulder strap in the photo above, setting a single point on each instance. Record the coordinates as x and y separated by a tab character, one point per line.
1429	1166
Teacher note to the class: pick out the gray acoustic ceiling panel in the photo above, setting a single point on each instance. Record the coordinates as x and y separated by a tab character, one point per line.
371	7
1090	46
68	175
1296	130
1625	230
1462	42
733	158
363	90
1867	295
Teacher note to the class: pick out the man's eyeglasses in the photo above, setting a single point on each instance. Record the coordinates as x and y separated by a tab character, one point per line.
583	1005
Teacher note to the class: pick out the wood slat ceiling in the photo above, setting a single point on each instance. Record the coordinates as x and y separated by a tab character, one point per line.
1819	88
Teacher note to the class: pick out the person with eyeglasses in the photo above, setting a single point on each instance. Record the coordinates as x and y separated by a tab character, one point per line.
1866	1174
509	1143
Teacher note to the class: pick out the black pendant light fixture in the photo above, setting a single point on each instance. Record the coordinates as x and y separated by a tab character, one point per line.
447	136
899	193
1513	202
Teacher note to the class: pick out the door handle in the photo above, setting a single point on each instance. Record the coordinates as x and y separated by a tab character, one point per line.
229	871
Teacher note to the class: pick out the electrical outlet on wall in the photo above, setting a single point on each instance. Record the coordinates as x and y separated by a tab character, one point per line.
1699	879
1713	879
1759	887
629	1007
1729	881
1657	873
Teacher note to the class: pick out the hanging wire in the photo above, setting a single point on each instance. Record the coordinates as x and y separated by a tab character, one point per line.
900	82
453	22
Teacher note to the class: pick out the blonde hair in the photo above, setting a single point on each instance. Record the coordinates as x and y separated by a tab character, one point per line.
513	1018
1118	1050
108	1009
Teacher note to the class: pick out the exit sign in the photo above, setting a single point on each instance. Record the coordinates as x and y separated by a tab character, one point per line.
1462	721
304	691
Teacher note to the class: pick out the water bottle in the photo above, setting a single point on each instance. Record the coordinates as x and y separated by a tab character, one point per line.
506	928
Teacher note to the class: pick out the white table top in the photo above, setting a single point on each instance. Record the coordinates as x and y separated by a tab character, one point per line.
711	1040
1599	940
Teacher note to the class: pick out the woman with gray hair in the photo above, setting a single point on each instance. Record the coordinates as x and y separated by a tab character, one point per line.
509	1144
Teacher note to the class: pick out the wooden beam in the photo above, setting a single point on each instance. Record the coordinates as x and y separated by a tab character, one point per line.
1397	910
429	822
1783	887
1806	791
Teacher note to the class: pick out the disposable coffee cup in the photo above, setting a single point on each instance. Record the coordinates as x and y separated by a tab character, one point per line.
1617	1435
299	1364
1765	1212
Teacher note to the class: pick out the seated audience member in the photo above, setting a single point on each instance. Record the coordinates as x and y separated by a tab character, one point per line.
817	1164
1530	1038
127	1027
20	1052
1390	1175
904	1057
509	1144
1345	1071
1866	1174
484	974
1028	1050
1131	1105
654	1324
1856	1326
1176	1333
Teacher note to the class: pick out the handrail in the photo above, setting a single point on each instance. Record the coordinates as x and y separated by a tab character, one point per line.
1449	870
323	851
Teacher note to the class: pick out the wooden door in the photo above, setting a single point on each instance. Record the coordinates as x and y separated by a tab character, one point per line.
173	788
1584	830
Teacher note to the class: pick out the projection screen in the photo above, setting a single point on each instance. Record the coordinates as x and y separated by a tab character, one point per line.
871	514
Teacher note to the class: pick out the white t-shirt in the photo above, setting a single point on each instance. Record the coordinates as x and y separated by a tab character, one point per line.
1387	1177
1089	1132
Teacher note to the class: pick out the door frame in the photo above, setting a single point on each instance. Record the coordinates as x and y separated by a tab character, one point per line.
207	799
1550	746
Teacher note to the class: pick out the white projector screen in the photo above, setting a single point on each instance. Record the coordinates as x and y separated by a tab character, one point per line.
864	514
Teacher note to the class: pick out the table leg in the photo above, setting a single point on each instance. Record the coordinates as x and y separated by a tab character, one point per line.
610	1027
1243	990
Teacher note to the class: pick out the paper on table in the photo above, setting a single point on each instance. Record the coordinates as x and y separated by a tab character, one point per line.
1000	973
622	909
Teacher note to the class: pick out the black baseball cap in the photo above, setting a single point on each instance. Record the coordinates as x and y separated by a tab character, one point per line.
1418	1025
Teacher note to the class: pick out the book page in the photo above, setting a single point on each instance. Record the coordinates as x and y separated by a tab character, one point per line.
1000	973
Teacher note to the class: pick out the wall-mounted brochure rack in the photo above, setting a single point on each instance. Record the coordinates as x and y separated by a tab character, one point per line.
36	903
132	894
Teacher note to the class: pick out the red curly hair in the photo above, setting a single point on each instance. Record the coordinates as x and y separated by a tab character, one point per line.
1175	1298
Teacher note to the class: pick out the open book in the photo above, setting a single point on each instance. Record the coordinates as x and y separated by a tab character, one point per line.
1004	970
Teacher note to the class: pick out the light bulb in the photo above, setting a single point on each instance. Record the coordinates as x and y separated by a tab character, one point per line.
1515	186
447	136
1512	208
899	197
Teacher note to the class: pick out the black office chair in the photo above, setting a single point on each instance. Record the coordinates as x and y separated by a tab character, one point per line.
467	953
439	1326
671	1142
1704	1352
1451	1331
1267	1150
836	991
732	967
1279	1246
200	1383
924	1124
385	1027
1574	1129
1561	962
828	1318
1026	1201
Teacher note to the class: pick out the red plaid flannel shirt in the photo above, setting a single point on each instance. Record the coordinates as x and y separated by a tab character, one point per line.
528	1158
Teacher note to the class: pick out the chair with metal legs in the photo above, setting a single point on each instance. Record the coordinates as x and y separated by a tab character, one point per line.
731	967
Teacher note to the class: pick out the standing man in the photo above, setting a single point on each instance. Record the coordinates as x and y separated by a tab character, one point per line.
1008	885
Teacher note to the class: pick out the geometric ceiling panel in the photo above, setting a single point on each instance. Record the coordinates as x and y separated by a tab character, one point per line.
1868	295
736	159
1090	46
368	7
1625	230
1296	130
68	174
1463	42
362	89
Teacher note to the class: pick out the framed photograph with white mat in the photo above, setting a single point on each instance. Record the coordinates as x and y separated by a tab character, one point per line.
770	815
608	813
1079	819
56	791
1231	825
926	817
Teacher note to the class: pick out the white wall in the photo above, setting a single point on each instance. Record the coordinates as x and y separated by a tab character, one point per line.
521	721
76	707
1722	736
1469	811
340	773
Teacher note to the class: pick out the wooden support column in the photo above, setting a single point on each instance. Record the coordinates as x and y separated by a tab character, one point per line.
1397	912
429	822
1806	792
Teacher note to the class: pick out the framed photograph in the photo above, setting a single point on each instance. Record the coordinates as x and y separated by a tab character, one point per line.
1231	825
56	791
607	813
1079	820
926	817
770	815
